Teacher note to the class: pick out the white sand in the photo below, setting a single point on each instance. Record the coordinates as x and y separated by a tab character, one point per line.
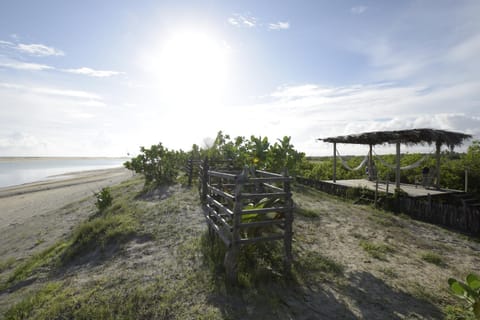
35	213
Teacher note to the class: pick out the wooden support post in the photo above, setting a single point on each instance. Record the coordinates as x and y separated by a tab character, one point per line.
231	256
370	163
190	171
397	167
376	192
466	180
437	165
334	162
204	177
287	241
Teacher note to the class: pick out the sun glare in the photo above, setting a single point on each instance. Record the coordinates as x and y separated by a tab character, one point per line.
192	68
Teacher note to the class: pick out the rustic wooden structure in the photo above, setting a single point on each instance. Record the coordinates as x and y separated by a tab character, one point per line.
247	207
190	168
408	137
441	208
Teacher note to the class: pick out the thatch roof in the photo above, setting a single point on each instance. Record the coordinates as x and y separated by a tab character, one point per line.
412	136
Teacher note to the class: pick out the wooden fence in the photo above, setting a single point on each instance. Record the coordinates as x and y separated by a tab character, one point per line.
247	207
445	213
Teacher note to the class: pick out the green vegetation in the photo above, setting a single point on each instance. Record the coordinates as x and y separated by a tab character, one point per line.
107	229
104	199
377	251
452	166
150	258
469	291
433	258
6	264
158	164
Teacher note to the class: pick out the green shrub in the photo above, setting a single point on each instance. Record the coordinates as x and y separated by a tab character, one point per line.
158	164
104	199
433	258
377	251
468	291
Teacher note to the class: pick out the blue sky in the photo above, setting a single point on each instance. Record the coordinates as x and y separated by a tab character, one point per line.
90	78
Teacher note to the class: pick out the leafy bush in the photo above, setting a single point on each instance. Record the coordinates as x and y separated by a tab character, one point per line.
468	291
104	199
159	164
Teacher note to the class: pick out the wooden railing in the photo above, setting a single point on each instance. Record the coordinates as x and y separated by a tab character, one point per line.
460	217
247	207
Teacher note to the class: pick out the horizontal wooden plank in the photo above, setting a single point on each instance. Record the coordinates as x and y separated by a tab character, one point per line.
262	223
218	231
213	212
271	179
272	187
265	210
263	195
222	175
259	239
220	192
269	174
220	206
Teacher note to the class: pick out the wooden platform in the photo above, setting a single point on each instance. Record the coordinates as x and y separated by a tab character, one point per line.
411	189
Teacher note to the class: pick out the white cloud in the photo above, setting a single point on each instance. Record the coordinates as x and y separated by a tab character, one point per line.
66	93
311	111
34	49
358	9
19	65
245	21
30	66
39	50
94	73
279	26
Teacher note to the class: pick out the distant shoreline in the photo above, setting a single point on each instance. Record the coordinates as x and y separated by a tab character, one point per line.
59	158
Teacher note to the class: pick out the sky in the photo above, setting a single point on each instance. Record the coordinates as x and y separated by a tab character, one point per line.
102	78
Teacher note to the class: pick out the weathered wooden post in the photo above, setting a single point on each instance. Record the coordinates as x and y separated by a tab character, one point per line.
437	164
190	171
334	162
376	192
466	180
287	242
231	257
397	167
370	163
204	177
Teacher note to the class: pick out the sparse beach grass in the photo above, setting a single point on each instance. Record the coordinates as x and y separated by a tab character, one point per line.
149	256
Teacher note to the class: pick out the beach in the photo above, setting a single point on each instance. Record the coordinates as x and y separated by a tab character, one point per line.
34	215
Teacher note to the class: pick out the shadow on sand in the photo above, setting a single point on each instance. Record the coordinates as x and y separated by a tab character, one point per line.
360	296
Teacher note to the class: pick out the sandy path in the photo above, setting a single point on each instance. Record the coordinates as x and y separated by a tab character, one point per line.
35	214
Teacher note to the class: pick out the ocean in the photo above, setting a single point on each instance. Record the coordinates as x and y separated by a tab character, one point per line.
16	171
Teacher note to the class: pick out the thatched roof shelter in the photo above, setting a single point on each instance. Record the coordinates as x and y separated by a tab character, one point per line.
409	137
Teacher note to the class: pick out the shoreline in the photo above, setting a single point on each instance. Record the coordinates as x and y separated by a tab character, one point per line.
19	171
30	211
57	181
33	158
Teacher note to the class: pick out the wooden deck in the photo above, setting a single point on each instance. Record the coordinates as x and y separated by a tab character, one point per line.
411	189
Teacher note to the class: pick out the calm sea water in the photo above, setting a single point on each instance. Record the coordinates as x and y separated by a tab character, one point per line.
15	171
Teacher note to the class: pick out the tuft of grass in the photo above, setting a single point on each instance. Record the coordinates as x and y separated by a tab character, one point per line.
112	226
313	266
458	313
308	213
6	264
44	259
383	218
433	258
389	272
99	233
376	250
